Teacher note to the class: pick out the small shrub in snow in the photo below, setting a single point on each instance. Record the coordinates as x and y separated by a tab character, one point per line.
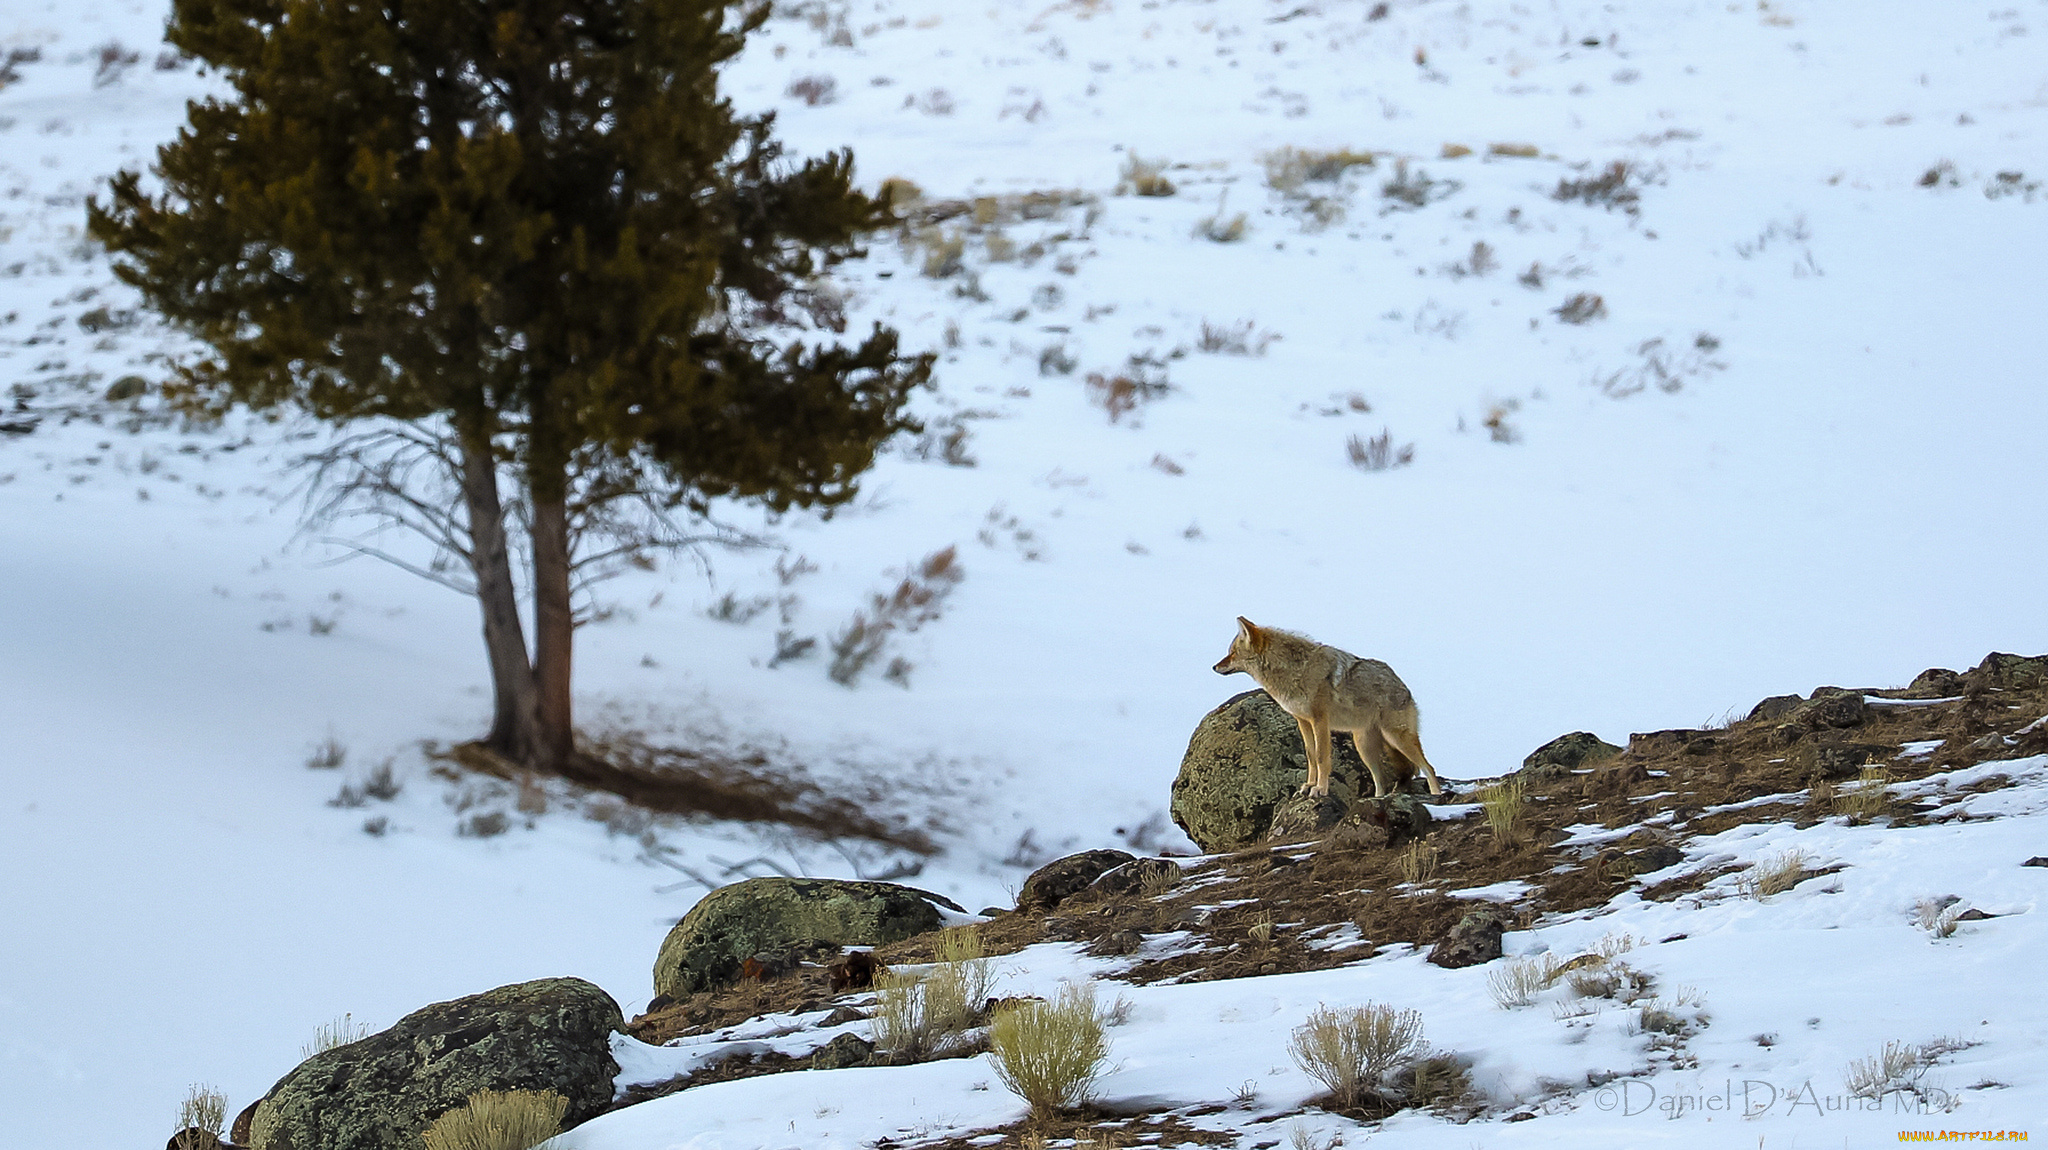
483	825
1144	177
1287	169
204	1110
730	608
1055	359
1379	452
499	1120
1240	338
915	601
1611	188
1352	1051
1142	380
1440	1083
329	755
1051	1054
1518	981
814	90
1899	1066
1414	188
1221	228
1585	307
114	61
383	784
329	1035
1938	916
1774	875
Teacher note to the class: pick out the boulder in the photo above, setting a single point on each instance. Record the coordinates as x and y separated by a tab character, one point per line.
843	1051
1562	755
1133	877
2010	672
1834	707
1243	759
1776	707
381	1092
1474	940
1937	683
776	915
1061	879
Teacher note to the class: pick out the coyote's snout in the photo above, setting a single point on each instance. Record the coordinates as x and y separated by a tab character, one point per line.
1327	690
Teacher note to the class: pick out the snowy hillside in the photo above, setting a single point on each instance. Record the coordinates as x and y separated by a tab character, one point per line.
1755	411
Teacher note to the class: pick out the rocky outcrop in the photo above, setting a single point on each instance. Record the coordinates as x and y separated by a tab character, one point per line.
786	916
381	1092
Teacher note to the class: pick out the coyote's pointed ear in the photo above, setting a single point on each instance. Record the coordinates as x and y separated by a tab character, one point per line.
1249	632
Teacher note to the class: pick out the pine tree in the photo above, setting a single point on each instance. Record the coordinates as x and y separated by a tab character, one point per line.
533	229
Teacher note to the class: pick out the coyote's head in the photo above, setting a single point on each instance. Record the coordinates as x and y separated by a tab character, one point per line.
1244	650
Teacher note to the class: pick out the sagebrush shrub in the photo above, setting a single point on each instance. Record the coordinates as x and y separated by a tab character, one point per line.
499	1120
1051	1054
1352	1051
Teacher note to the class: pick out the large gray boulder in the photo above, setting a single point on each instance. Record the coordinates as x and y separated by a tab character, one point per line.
381	1092
1246	756
784	916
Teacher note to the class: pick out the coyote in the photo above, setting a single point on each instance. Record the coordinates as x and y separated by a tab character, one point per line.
1325	689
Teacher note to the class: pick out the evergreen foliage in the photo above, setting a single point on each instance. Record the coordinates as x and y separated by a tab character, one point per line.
534	227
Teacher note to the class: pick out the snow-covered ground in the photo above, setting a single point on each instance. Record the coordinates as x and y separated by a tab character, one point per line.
1838	483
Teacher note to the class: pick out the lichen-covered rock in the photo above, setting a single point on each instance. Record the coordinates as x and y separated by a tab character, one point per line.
843	1051
380	1092
1136	876
1562	755
2010	672
1474	940
1061	879
786	915
1244	758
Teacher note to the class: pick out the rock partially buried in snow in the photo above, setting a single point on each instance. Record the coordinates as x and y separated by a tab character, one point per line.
1244	758
1474	940
786	915
1061	879
381	1092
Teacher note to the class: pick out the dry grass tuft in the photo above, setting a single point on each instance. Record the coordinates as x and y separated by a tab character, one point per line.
1585	307
1418	862
1610	188
1868	797
1506	806
1051	1054
329	1035
1898	1066
1518	981
1379	452
1938	916
499	1120
1774	875
1287	169
1352	1051
1144	177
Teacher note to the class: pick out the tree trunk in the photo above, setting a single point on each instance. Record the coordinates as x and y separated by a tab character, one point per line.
514	712
553	624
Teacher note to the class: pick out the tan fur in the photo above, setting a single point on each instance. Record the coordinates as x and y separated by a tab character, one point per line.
1328	690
